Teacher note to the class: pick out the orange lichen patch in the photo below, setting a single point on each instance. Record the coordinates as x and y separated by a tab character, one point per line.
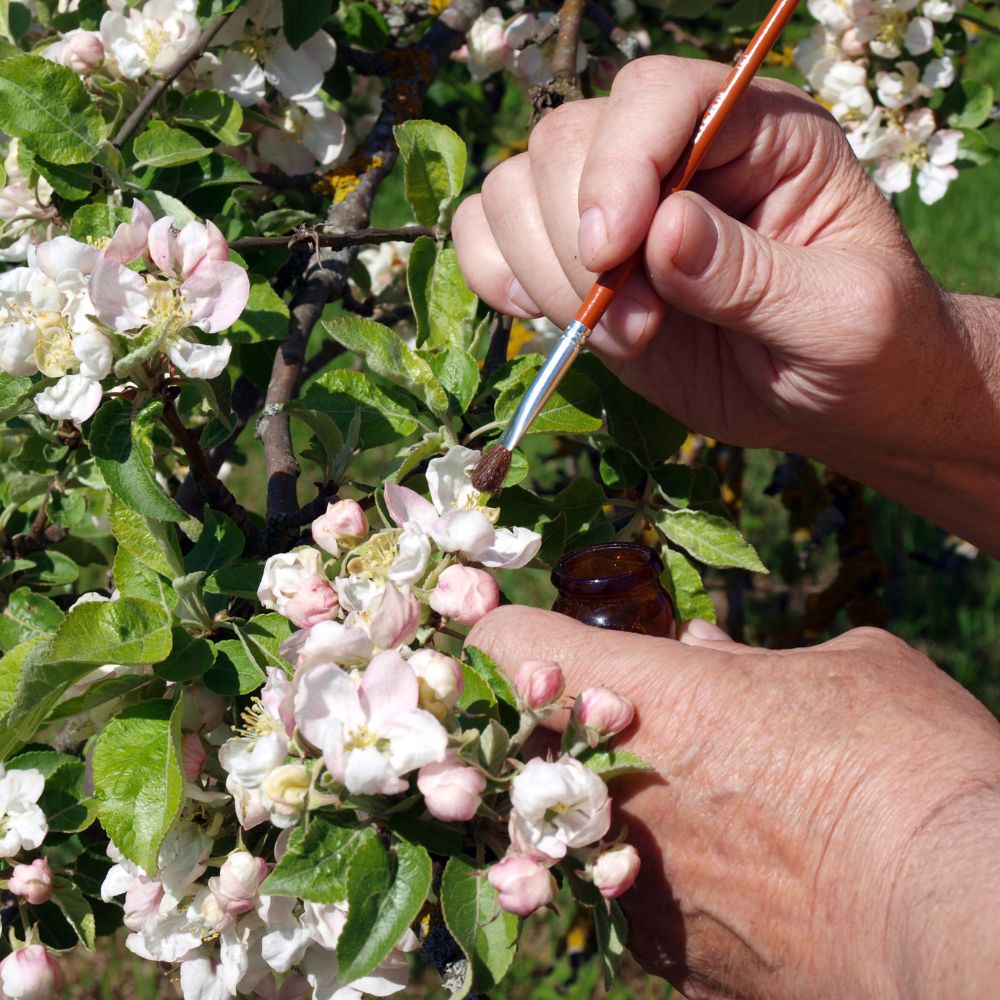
341	181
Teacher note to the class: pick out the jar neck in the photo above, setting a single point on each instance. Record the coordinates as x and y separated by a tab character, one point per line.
599	571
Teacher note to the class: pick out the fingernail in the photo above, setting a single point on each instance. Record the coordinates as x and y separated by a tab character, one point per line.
592	236
699	240
520	298
698	628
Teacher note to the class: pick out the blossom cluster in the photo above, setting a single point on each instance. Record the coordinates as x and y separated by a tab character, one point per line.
367	715
876	64
74	307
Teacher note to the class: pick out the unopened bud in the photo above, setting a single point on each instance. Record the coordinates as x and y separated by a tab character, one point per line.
522	884
615	869
32	882
539	683
343	525
440	679
30	973
601	714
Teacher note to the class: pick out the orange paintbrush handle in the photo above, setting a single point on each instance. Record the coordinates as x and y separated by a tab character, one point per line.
609	283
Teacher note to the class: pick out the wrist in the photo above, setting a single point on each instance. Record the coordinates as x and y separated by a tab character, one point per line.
945	903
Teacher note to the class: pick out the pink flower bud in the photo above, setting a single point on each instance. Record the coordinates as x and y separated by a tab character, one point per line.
81	51
343	525
522	883
440	679
464	595
396	617
602	713
539	683
192	756
235	889
314	602
30	973
203	709
615	869
32	882
452	791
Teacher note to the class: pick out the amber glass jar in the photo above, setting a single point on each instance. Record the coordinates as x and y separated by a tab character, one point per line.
615	585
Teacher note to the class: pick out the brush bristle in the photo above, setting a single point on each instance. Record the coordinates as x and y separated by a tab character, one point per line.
489	474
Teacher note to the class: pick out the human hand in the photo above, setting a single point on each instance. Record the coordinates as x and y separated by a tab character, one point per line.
823	822
781	305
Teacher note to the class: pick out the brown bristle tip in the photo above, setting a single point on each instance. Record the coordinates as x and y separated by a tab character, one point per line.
489	474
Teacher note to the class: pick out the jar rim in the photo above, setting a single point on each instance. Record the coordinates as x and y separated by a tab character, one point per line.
645	565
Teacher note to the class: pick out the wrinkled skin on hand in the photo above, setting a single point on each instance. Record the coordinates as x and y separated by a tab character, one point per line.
780	305
810	808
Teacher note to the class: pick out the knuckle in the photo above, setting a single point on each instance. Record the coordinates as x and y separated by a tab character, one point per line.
567	126
498	183
643	73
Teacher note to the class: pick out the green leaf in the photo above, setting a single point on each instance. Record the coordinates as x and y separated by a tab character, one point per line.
315	865
12	665
161	146
47	106
574	408
50	569
265	316
674	481
98	221
134	579
67	807
26	616
486	934
444	306
73	181
17	392
189	657
326	434
238	580
683	581
214	170
219	544
978	105
161	204
610	764
129	630
214	112
302	20
506	699
611	932
364	25
151	542
477	698
382	904
124	689
433	169
386	413
387	355
975	148
138	780
419	269
122	445
457	371
78	913
710	538
235	671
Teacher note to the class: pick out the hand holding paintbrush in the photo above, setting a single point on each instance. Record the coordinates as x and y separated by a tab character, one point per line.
489	475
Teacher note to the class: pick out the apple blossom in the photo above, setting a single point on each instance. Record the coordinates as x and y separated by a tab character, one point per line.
22	823
32	882
918	144
464	595
329	642
452	790
193	756
522	883
370	735
149	39
385	263
239	878
284	793
539	683
30	973
613	871
73	397
557	805
487	49
439	677
82	51
343	523
294	585
601	713
302	139
142	902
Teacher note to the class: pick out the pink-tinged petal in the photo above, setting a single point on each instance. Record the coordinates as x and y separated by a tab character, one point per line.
161	244
405	505
511	549
321	49
118	295
468	531
218	248
130	238
388	688
216	293
65	254
370	772
415	738
323	694
199	360
395	619
192	242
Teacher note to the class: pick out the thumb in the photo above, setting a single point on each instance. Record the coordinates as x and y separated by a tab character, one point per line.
707	264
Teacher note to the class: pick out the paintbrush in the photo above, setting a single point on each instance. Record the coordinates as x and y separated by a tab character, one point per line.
489	474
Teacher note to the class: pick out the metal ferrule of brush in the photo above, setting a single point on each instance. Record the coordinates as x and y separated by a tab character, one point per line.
549	376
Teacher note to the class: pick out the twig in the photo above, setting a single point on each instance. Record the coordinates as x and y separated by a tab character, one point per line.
134	120
623	40
567	41
215	493
324	280
335	241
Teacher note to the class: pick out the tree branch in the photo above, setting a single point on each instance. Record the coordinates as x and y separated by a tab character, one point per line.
334	241
623	40
353	186
134	120
567	41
